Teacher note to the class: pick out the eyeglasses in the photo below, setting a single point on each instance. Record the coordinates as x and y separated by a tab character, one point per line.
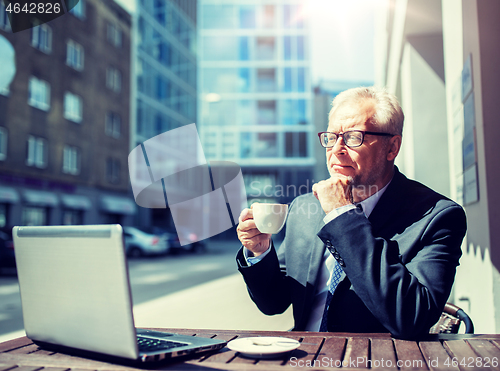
352	138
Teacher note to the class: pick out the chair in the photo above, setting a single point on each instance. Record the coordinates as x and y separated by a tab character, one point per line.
450	320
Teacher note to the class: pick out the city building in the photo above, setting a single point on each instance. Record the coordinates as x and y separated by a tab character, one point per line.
441	58
64	120
165	78
255	95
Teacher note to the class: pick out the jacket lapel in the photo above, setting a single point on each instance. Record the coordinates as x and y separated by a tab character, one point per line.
388	204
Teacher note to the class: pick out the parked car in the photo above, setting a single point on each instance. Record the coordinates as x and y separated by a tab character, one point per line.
7	256
175	243
139	243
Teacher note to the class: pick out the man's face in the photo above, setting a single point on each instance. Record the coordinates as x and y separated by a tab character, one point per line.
370	165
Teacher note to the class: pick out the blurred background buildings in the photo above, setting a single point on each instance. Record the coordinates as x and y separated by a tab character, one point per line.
64	120
164	94
255	95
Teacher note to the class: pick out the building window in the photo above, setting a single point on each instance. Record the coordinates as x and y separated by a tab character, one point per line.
39	94
247	16
74	55
113	125
266	145
293	48
113	170
293	16
4	211
71	160
34	216
266	112
72	107
41	37
113	79
296	144
266	80
114	35
3	143
4	18
293	112
37	152
72	217
79	9
244	52
265	48
294	79
268	16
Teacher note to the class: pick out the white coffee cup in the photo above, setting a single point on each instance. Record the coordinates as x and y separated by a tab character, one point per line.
269	218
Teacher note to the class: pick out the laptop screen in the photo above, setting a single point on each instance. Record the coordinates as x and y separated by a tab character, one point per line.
75	288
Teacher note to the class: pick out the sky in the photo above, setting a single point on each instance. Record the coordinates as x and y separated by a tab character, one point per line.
342	33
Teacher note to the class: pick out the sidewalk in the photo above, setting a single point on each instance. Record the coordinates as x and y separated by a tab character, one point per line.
219	304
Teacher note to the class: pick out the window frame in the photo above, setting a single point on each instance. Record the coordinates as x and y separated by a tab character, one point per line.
112	126
113	79
4	135
37	150
4	19
73	107
39	93
71	160
75	55
41	37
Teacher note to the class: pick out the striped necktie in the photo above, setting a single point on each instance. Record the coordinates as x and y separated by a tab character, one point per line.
337	276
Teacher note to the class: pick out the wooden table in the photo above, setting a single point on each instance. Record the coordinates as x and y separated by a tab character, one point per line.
318	351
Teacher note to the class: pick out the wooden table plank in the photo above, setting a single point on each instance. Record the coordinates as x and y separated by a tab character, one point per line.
356	353
383	354
303	355
328	350
333	351
409	355
436	356
488	354
15	343
461	353
30	348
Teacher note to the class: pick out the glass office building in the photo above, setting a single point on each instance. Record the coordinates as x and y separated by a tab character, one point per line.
165	79
254	93
165	66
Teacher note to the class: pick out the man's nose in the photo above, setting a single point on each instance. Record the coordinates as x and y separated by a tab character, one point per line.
339	146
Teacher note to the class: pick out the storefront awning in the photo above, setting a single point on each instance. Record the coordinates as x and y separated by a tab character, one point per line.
41	198
8	195
76	202
118	205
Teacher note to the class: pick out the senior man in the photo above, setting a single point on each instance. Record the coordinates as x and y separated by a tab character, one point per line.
368	250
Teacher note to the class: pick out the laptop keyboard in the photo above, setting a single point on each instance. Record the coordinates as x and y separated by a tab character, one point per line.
149	344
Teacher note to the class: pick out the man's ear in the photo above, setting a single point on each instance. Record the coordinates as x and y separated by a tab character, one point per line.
393	147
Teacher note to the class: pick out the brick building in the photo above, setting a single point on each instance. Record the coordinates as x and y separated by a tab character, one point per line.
64	120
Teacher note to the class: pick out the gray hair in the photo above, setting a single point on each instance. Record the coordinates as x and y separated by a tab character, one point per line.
388	112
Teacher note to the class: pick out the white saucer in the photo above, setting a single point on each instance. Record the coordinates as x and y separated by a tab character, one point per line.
263	347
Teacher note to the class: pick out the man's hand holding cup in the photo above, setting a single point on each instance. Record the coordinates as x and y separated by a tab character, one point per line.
257	224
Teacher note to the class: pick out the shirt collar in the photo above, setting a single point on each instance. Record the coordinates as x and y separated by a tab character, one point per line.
369	204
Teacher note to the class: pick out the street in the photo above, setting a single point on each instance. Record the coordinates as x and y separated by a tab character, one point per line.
151	278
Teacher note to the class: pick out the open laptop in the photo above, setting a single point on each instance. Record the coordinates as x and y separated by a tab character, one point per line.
75	294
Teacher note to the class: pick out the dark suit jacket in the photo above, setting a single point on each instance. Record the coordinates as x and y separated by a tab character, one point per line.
400	263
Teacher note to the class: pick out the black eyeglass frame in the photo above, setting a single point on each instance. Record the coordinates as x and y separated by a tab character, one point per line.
363	133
